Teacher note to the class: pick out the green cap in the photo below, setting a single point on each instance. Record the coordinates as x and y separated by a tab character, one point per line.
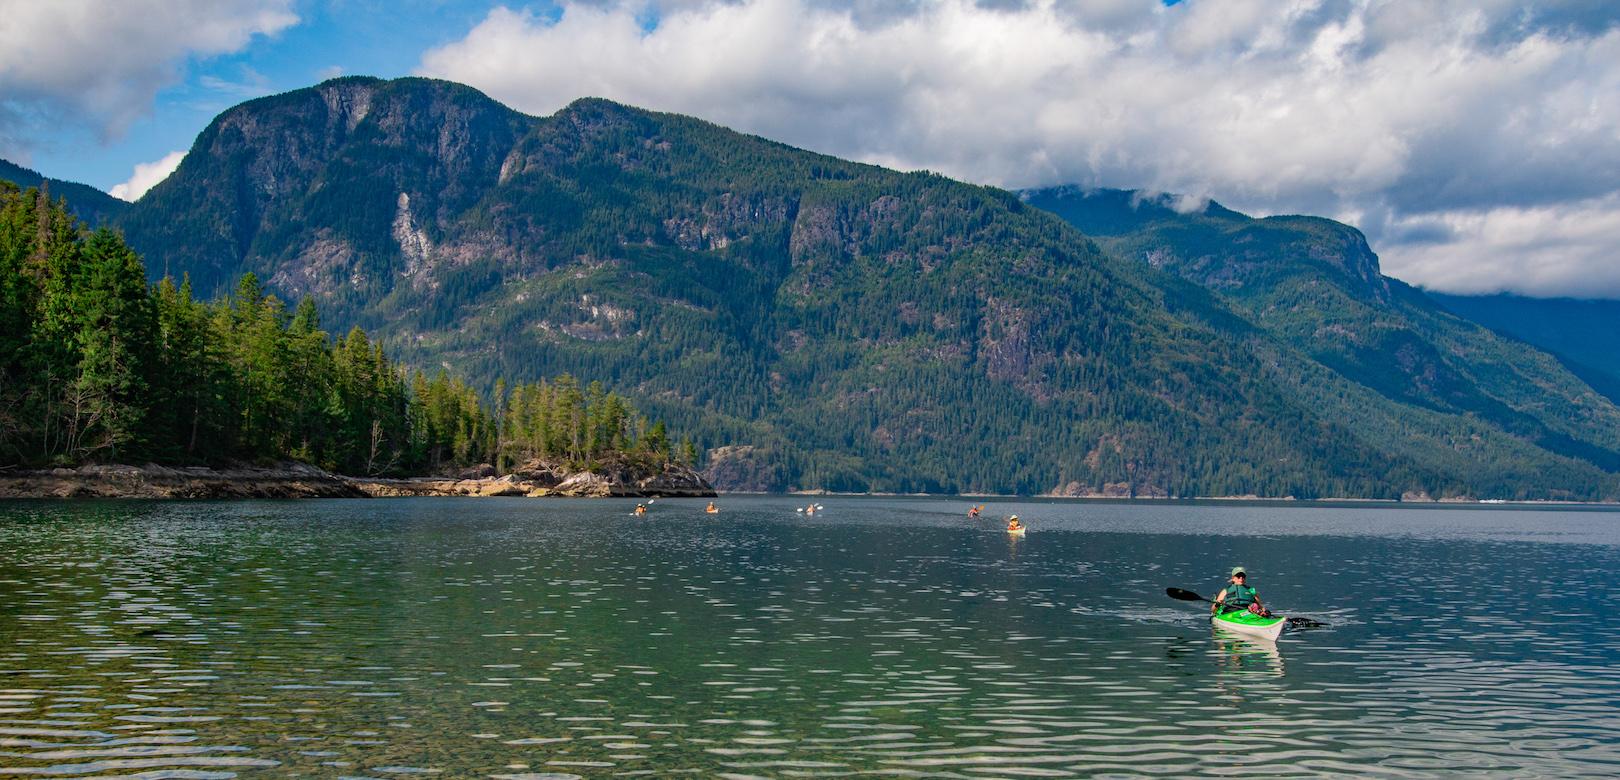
1236	570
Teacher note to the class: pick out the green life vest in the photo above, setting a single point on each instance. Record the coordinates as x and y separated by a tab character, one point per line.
1239	596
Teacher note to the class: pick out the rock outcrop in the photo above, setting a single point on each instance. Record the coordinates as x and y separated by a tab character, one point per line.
298	480
284	480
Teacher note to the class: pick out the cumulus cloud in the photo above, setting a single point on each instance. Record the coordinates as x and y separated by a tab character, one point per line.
1568	249
1407	116
98	64
147	175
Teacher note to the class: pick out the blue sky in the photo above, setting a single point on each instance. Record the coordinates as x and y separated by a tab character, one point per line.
1477	143
346	37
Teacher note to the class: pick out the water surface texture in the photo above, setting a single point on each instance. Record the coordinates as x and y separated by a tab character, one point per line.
555	639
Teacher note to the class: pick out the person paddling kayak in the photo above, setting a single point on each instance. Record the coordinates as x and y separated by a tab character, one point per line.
1238	596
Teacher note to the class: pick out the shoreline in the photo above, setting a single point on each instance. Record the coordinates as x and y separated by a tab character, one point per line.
300	480
535	480
1440	503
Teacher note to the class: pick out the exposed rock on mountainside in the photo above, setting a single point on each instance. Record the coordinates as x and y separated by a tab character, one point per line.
349	162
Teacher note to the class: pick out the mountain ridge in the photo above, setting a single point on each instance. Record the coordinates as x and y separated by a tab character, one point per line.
843	326
822	324
1314	284
86	202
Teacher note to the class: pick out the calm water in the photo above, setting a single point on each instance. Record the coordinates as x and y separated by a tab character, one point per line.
552	639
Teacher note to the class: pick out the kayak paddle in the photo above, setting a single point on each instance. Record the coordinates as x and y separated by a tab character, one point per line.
1184	595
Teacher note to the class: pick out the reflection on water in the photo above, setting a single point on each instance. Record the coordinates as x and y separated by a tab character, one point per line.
546	640
1241	656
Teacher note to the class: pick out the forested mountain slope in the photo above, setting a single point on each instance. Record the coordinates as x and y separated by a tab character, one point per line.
819	324
86	202
1369	351
1583	334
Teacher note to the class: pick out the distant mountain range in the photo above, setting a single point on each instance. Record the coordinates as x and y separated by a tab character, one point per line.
86	202
821	324
1371	352
1583	334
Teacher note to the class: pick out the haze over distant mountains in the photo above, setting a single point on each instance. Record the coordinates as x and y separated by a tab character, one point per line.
1365	350
821	324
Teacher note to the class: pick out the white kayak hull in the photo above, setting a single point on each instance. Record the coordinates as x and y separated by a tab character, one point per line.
1250	625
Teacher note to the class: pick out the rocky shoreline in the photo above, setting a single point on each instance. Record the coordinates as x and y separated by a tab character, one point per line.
298	480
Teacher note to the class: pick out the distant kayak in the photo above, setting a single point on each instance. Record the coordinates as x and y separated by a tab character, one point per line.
1251	625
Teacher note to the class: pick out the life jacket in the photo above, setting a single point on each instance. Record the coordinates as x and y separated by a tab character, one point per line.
1239	596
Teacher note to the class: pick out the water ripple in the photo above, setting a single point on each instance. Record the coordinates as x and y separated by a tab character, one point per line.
560	640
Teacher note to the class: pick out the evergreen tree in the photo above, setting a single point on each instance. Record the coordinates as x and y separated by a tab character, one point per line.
95	365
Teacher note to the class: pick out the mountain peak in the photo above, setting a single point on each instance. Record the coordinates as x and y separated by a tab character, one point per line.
354	144
1217	247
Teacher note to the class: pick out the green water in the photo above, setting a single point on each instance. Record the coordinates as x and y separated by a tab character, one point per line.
548	639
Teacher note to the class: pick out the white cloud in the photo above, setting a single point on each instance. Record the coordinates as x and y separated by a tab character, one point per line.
1569	249
1400	109
100	63
147	175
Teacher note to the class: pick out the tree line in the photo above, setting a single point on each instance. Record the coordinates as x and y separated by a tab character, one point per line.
99	366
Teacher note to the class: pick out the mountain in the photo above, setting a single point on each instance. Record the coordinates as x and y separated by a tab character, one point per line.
817	323
1368	351
1583	334
86	202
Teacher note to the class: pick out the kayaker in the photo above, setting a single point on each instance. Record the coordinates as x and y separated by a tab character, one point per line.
974	512
711	509
1238	595
1013	524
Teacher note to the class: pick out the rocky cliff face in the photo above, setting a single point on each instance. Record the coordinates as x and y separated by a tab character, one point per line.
348	185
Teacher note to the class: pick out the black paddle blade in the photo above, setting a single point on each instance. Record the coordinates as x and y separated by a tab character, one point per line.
1182	595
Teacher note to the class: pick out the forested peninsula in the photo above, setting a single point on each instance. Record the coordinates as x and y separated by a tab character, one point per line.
240	396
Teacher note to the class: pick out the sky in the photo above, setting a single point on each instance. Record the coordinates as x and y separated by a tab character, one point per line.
1477	144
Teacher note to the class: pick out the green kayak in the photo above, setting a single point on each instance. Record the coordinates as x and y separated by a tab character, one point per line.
1250	625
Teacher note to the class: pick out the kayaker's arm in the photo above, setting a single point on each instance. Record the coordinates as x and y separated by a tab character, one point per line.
1215	606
